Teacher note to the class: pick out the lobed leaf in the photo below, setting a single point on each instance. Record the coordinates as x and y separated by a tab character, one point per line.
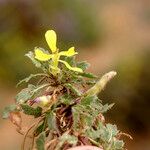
107	107
76	118
40	129
31	56
86	101
66	138
118	144
36	112
112	129
73	89
70	60
88	75
26	80
7	110
40	142
93	134
83	65
66	99
51	121
25	94
29	92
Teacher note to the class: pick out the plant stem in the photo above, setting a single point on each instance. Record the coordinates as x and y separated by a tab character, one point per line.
26	134
94	142
23	143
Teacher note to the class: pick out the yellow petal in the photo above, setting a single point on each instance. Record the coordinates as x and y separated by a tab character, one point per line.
68	53
40	55
71	68
51	39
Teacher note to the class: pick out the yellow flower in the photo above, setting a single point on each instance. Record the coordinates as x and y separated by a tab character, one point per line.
51	39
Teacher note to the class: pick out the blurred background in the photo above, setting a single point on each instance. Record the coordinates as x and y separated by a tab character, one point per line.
109	34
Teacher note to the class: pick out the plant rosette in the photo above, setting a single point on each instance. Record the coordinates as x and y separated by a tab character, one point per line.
64	104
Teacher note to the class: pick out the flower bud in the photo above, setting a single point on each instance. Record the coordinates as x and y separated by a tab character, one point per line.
43	100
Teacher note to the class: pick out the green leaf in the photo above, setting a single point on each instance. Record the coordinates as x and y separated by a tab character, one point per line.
26	80
112	129
86	101
74	78
83	65
73	89
87	120
105	134
29	92
51	121
66	99
108	132
36	112
76	118
92	102
25	94
88	75
70	60
107	107
7	110
42	65
30	55
118	144
66	138
40	142
39	129
86	111
93	134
